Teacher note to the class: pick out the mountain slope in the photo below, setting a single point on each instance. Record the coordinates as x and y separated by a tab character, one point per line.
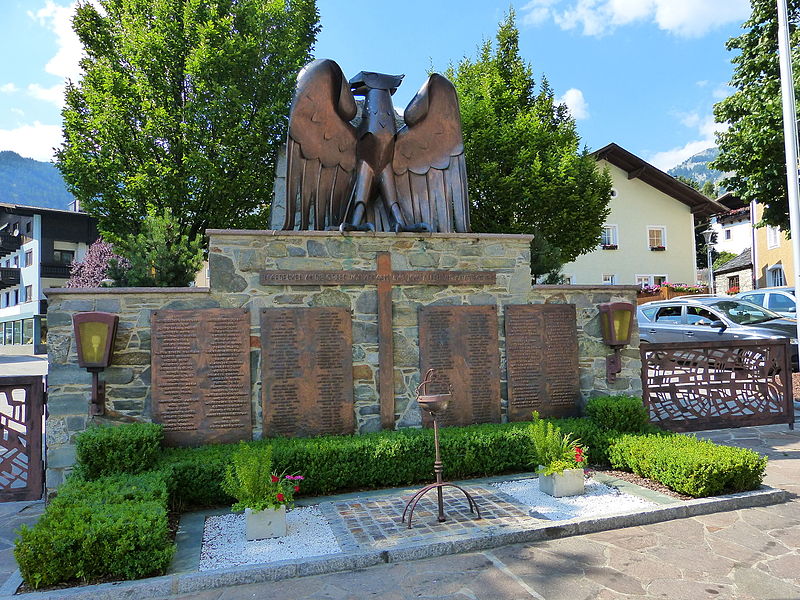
31	182
696	167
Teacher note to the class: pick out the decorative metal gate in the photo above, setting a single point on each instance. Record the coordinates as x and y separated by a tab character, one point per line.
21	414
691	386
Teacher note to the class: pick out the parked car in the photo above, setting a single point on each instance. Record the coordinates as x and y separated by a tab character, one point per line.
715	318
778	299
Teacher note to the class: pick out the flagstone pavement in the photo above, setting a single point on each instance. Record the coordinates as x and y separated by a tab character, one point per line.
750	554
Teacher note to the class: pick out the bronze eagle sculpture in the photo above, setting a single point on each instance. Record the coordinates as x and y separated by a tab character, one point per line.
373	176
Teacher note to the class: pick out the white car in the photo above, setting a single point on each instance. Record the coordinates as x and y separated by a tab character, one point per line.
778	299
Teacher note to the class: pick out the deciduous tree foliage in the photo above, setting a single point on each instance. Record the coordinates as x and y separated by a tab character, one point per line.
182	106
752	149
526	171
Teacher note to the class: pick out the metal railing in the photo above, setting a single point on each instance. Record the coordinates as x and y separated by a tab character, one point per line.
692	386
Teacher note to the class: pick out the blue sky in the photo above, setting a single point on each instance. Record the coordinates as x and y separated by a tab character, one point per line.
642	73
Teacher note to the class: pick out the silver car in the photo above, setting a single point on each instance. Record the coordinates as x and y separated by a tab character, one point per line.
778	299
713	318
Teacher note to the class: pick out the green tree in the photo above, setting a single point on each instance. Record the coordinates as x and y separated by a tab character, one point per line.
182	106
160	255
526	171
752	149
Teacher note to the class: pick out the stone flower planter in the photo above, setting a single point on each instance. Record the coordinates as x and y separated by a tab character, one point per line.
568	483
262	524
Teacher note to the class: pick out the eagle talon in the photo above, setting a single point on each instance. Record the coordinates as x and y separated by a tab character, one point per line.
352	227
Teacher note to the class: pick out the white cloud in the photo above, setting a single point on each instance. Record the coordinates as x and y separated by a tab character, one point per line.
54	95
706	129
33	141
18	111
578	107
685	18
58	19
8	88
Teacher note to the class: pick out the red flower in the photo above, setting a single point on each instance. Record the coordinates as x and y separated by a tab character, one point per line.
275	479
297	488
578	454
280	497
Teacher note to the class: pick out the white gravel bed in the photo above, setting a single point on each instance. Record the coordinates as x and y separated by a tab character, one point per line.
599	500
224	544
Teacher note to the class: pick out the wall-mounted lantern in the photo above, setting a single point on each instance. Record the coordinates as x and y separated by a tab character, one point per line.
616	323
94	334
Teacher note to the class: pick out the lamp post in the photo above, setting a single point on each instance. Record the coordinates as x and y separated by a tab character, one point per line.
616	324
94	334
708	235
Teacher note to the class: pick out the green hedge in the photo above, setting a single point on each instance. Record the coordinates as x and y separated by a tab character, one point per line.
695	467
344	463
113	527
131	448
618	413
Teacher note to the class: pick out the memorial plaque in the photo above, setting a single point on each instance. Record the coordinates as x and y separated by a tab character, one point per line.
542	361
461	343
307	371
201	375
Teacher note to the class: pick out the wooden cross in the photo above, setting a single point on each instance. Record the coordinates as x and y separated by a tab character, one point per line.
384	278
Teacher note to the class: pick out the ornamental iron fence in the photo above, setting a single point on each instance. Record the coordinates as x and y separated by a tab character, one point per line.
692	386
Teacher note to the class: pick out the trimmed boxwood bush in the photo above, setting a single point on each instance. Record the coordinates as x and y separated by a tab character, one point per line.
618	413
114	527
695	467
131	448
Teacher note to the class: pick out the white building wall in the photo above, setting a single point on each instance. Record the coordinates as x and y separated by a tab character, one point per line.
741	236
636	207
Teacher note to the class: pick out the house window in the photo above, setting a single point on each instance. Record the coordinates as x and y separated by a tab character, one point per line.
28	258
657	238
609	279
608	237
775	276
15	298
773	237
643	280
727	234
28	293
733	284
568	279
28	228
63	257
15	262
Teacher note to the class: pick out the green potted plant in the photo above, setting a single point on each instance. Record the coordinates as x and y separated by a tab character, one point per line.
560	458
263	495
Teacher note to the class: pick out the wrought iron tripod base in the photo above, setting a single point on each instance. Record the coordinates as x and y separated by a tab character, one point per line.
437	468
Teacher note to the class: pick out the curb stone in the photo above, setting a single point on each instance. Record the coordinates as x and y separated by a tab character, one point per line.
166	585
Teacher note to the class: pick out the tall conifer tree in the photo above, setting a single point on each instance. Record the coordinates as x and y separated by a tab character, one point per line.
526	170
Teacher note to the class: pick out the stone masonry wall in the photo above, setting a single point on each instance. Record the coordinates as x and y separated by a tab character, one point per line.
236	259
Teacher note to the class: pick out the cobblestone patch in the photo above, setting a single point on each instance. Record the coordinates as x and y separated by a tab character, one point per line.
375	522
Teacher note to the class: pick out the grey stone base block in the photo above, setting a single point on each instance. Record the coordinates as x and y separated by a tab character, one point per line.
196	581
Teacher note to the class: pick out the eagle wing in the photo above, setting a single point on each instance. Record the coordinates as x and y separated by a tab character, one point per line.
321	147
429	168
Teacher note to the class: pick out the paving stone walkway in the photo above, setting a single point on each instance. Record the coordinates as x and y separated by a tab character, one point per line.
374	523
750	554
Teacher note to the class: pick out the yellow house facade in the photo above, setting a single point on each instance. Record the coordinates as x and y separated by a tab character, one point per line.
772	260
648	237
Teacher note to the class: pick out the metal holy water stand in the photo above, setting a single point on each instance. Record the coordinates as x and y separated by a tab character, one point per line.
435	404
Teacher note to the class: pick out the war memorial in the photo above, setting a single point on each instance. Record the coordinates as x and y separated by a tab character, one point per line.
324	324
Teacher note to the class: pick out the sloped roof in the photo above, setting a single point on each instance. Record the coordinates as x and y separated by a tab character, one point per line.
738	263
636	168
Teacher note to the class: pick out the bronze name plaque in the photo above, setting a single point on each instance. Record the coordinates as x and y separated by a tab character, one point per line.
542	360
201	375
461	343
307	370
374	277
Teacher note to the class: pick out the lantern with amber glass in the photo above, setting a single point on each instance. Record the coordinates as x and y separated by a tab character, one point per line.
616	323
94	334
